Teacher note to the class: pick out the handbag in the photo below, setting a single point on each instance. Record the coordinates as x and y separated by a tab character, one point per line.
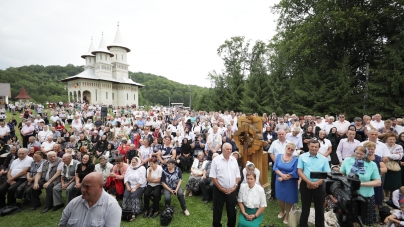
294	216
393	166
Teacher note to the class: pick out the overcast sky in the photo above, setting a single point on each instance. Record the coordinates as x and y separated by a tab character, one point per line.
174	39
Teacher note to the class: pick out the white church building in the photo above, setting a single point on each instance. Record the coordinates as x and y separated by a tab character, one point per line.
105	79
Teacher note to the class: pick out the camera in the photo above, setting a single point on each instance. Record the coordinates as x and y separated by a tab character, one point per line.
351	206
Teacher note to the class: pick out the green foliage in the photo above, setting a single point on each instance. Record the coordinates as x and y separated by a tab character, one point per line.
321	53
255	98
160	90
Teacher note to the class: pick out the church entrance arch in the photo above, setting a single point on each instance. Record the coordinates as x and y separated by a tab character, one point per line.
86	96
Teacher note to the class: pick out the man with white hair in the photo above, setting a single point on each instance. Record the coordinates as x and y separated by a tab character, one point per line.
67	181
377	122
295	137
47	177
15	177
48	144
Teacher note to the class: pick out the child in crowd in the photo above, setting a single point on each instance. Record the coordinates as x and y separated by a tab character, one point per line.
397	218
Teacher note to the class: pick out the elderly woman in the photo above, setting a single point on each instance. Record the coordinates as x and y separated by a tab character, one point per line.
115	179
250	168
89	125
382	170
33	150
100	147
135	182
196	174
186	155
83	169
369	176
104	167
252	202
392	179
286	182
386	129
171	180
153	189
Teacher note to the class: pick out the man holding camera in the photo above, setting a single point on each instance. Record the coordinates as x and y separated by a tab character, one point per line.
310	188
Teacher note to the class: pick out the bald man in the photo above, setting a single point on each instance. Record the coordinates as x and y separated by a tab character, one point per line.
94	207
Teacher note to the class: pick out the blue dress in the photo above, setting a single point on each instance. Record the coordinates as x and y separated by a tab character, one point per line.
286	191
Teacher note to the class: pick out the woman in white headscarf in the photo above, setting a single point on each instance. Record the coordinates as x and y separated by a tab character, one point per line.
135	182
250	168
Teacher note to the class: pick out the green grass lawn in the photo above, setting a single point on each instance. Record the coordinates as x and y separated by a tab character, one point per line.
201	214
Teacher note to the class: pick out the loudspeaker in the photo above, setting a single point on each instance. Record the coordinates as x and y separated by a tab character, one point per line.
104	111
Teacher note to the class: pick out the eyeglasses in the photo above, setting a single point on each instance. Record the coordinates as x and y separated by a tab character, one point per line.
341	116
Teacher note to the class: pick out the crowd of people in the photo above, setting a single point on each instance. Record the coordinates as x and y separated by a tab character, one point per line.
141	156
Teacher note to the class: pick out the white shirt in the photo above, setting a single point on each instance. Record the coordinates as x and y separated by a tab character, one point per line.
328	127
18	165
252	197
77	125
105	171
278	148
155	174
324	147
377	125
214	140
381	149
48	146
54	118
4	130
342	127
135	176
225	171
320	125
43	135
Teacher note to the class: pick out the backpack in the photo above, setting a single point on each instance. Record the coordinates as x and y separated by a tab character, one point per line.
166	216
384	211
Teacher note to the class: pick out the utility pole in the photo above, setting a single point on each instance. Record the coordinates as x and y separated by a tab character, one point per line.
190	97
366	88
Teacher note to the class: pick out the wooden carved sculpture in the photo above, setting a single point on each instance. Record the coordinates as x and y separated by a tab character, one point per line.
250	143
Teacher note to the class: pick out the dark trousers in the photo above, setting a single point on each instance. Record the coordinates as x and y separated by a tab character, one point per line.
273	176
317	196
219	198
206	191
25	140
156	193
10	190
36	201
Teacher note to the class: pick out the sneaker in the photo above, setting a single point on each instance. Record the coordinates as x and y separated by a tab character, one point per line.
186	212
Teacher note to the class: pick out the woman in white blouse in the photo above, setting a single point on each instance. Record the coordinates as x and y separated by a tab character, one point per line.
252	202
196	174
153	188
135	182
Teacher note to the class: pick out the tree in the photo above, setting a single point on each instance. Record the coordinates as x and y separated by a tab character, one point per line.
255	98
235	54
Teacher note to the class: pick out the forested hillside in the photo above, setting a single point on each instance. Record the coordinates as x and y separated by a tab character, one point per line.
43	84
